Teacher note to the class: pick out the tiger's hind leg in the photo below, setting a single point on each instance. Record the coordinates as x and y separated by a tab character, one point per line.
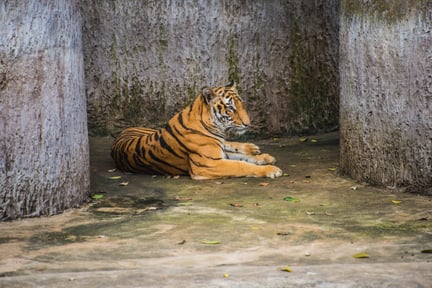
247	152
129	150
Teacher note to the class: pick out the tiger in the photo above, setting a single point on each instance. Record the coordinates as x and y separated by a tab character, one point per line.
193	142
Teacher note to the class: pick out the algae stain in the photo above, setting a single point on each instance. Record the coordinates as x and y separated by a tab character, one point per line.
386	11
49	239
390	229
163	48
163	37
233	60
309	86
133	109
115	107
301	86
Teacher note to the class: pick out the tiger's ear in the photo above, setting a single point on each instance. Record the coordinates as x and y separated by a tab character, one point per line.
231	84
207	94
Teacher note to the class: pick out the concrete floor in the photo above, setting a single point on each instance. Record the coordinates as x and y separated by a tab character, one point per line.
168	232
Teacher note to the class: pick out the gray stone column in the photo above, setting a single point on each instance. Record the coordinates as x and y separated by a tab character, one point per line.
44	153
386	92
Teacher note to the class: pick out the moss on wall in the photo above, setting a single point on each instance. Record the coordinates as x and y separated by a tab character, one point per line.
141	70
389	11
233	60
313	106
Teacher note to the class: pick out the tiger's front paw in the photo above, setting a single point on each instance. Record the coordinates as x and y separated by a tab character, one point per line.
273	171
264	159
251	149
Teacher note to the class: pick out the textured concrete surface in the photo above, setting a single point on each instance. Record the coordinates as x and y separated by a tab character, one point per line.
385	88
147	56
167	232
43	109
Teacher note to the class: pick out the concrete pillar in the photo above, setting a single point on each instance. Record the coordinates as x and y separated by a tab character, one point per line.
386	92
44	153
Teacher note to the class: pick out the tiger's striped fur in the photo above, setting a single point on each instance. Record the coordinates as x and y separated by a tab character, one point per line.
193	142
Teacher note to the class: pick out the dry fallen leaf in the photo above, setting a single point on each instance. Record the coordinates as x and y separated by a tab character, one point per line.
236	204
310	213
212	242
176	177
361	255
114	177
255	228
396	202
124	184
286	269
112	170
41	268
264	184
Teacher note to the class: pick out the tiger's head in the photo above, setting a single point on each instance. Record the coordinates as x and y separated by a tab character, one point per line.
227	109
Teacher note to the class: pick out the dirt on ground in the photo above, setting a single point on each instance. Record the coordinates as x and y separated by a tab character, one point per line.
309	228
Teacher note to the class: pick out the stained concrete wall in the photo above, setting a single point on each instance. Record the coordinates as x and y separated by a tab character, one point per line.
386	92
146	60
44	165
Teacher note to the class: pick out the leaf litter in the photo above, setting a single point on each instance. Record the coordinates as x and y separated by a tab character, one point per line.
361	255
291	199
286	269
210	242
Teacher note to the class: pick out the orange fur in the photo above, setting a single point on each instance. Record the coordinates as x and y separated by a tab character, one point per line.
193	142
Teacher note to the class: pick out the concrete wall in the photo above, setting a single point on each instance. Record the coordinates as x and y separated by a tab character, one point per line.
146	60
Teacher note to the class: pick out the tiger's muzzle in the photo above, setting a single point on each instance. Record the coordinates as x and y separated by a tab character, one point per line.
238	130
